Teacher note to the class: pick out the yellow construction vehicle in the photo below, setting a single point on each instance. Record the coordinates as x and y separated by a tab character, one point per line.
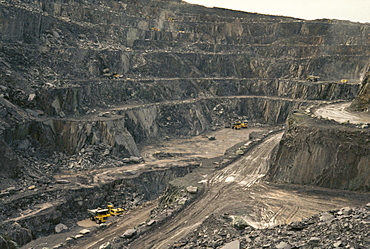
343	81
238	125
313	78
245	124
100	215
114	211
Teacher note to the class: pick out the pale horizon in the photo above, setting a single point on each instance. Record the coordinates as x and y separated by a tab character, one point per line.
354	10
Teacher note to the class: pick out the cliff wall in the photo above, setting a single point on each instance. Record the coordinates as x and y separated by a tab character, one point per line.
322	153
362	102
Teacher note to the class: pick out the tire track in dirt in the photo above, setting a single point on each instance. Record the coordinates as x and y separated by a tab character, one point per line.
129	220
221	193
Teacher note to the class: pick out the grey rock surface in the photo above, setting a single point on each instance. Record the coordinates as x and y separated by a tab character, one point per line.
312	232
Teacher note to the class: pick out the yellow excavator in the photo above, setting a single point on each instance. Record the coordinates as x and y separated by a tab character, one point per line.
100	215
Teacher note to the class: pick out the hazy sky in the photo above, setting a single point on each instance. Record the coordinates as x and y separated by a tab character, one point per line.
354	10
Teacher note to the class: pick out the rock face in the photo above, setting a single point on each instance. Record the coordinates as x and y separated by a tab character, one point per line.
10	164
99	78
67	63
71	204
362	102
322	153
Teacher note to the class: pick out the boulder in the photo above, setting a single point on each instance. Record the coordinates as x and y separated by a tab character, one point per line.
314	240
78	236
129	233
85	231
239	223
239	152
32	187
192	190
326	217
106	246
151	222
283	245
232	245
62	181
135	159
60	228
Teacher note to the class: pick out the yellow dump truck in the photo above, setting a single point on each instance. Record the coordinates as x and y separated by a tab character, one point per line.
100	215
240	124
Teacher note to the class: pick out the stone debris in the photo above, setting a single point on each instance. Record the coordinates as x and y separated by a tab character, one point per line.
78	236
129	233
283	245
62	181
69	240
228	51
60	228
232	245
32	187
106	246
239	152
192	190
150	223
345	228
85	231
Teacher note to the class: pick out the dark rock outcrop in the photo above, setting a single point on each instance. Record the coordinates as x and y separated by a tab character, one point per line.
65	60
362	102
322	153
98	78
10	164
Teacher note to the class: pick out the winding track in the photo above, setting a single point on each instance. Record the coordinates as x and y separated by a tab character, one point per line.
222	193
339	113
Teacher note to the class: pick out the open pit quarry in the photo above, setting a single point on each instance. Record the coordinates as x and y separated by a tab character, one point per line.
132	103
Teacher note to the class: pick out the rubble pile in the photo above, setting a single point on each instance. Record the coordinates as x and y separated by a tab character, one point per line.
344	228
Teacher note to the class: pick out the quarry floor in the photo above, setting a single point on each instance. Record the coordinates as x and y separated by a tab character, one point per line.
237	189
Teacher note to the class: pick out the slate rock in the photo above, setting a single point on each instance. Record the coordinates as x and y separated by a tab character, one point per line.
232	245
192	190
326	217
129	233
107	245
60	228
151	222
239	223
62	181
314	240
11	190
283	245
85	231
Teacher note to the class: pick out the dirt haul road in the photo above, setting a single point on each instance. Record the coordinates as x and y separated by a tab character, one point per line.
239	190
339	113
135	216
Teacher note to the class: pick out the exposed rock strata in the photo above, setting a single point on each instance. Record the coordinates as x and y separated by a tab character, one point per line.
322	153
362	102
108	75
73	201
